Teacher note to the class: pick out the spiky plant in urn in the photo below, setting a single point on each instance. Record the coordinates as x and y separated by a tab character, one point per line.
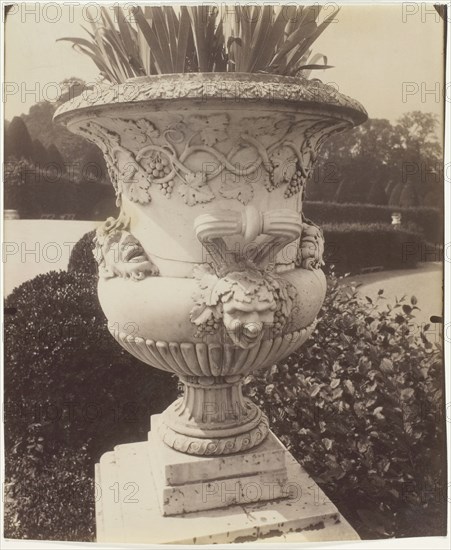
210	126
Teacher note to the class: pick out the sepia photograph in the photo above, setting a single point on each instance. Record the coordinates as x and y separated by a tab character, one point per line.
224	255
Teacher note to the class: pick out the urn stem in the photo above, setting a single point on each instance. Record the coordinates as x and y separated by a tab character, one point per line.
213	417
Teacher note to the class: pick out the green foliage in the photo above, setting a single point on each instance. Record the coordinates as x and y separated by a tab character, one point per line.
15	175
360	405
54	157
40	153
37	190
71	394
379	152
93	167
73	149
430	220
275	40
18	142
377	194
161	40
408	197
49	496
352	247
395	195
60	165
82	258
95	201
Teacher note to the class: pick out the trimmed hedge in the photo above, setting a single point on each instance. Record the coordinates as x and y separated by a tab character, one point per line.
429	219
49	495
81	257
71	394
85	201
350	248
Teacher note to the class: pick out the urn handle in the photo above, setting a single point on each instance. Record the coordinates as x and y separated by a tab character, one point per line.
281	227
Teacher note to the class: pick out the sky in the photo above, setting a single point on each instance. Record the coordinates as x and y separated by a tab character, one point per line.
389	57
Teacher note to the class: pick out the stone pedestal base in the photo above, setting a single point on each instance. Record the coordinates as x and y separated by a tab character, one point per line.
275	499
187	483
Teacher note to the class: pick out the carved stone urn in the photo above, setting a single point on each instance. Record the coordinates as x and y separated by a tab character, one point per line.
211	271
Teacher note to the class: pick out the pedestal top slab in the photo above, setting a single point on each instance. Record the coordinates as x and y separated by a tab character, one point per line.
180	468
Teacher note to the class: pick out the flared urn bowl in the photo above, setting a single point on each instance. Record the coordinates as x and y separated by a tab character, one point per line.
211	271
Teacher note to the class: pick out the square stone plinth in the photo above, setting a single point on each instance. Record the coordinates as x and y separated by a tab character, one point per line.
128	508
189	483
179	468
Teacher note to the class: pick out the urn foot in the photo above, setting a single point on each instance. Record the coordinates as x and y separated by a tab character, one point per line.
213	418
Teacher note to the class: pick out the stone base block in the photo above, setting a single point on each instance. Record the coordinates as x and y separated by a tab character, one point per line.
178	468
128	507
189	483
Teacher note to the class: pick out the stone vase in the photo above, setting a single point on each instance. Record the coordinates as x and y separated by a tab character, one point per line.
211	271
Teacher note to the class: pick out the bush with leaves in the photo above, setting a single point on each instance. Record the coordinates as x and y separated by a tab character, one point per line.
351	247
430	220
71	394
82	257
49	495
361	407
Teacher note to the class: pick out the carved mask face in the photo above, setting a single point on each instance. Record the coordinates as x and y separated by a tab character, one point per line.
122	247
123	255
245	321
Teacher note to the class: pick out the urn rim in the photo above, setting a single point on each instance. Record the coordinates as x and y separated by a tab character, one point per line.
228	89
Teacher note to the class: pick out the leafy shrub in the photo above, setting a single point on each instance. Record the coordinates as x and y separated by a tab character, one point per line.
360	405
49	495
81	257
14	173
429	219
352	247
71	394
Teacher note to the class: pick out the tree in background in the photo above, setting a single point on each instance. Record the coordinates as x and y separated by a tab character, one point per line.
18	143
55	157
40	153
372	160
46	166
422	155
92	166
408	197
395	196
377	194
72	149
